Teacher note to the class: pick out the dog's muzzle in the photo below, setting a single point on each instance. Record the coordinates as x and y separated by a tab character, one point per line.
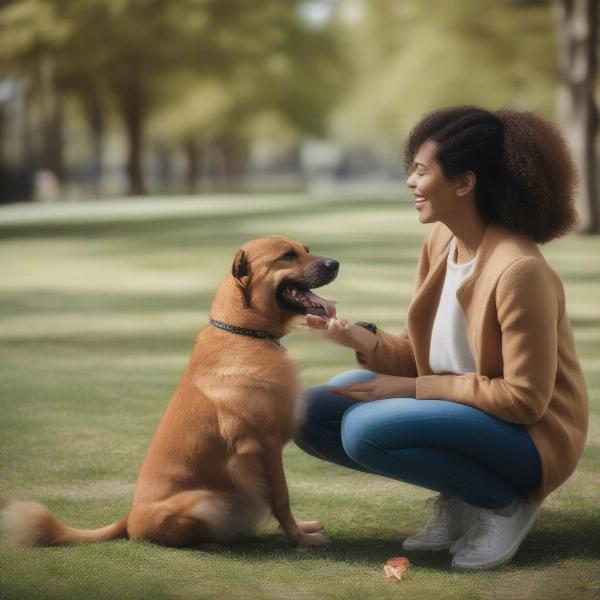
296	296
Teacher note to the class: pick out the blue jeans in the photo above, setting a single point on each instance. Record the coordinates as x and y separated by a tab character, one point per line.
444	446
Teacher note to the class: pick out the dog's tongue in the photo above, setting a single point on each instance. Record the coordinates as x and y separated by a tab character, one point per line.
328	305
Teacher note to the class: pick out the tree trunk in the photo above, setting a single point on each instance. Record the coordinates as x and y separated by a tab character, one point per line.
577	34
51	104
129	89
134	124
27	153
94	115
235	157
2	134
192	153
163	170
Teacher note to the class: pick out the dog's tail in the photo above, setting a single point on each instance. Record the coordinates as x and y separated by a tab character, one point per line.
32	524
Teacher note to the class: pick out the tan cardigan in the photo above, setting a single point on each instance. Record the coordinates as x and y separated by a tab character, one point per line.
520	338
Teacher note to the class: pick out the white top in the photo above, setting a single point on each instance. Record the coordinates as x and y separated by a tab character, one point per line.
449	351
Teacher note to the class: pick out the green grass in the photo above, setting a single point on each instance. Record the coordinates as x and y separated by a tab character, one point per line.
97	320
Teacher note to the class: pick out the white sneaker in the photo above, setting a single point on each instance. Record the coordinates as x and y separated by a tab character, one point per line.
469	515
443	528
494	539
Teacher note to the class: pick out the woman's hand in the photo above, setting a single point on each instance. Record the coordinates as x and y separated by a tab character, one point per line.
341	332
378	388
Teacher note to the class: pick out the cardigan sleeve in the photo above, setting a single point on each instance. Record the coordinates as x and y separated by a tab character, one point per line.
394	354
529	296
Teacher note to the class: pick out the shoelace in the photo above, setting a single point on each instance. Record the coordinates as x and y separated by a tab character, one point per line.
439	506
483	531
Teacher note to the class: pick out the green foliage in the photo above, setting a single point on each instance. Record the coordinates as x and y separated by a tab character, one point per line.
246	57
283	79
413	57
29	27
233	71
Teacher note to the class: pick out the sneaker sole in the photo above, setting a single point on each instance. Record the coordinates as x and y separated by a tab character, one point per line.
432	547
455	550
508	554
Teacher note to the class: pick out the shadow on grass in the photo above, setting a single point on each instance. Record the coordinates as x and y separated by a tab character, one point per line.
35	301
367	551
559	537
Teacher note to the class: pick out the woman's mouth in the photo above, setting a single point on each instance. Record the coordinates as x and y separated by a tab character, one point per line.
419	201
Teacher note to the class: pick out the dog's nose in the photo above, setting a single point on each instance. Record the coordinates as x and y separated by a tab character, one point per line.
331	265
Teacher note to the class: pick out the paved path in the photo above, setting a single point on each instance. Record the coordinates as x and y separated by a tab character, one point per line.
164	207
155	207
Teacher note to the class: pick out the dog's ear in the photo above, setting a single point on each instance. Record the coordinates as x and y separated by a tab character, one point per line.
241	268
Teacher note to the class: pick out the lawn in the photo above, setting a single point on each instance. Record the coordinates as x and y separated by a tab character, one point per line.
98	314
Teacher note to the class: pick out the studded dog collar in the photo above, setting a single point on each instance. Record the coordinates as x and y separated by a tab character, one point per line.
256	333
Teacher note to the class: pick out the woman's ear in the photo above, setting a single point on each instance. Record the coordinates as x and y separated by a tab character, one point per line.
465	183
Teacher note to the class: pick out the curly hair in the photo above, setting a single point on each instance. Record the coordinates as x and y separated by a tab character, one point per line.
525	177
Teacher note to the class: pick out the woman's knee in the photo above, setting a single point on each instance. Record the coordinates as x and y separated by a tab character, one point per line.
314	403
366	429
323	411
349	377
357	433
305	440
321	404
318	408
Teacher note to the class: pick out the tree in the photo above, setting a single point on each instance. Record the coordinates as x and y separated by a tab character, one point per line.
127	46
235	43
284	80
32	33
135	49
577	33
412	57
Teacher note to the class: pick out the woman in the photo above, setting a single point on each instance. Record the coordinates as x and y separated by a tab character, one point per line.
481	396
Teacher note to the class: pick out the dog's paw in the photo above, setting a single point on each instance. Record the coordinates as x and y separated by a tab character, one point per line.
309	540
311	526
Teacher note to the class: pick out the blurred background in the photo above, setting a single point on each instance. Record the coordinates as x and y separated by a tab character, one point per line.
105	98
141	141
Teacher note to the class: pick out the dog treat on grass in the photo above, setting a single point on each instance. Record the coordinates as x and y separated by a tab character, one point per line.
395	569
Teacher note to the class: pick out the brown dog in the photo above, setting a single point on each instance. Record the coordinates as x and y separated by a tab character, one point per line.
214	467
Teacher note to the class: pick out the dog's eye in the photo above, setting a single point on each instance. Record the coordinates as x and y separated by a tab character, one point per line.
289	255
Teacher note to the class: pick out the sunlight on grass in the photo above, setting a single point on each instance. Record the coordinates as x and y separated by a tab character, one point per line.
97	320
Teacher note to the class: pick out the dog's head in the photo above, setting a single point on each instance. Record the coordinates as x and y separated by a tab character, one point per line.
277	274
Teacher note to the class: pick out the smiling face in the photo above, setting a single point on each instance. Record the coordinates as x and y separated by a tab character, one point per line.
436	196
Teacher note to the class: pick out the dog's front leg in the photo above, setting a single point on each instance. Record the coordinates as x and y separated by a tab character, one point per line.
279	500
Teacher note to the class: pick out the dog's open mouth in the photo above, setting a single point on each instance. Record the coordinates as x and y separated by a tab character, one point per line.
304	301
